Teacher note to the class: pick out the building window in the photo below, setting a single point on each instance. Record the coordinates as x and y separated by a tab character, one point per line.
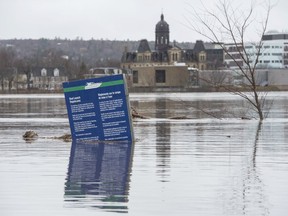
56	72
202	57
174	57
160	76
43	72
135	76
277	54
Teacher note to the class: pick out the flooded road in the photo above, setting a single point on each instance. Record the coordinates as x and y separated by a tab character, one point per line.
193	155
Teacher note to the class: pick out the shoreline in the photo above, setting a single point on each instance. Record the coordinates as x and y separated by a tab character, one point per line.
157	90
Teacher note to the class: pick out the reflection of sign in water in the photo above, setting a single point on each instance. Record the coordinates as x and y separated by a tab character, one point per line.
98	175
98	109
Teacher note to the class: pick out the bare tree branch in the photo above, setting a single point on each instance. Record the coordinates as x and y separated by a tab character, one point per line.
231	23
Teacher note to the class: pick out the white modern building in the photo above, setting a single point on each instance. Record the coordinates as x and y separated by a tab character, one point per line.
273	53
233	59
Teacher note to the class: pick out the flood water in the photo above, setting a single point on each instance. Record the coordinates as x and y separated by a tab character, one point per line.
193	155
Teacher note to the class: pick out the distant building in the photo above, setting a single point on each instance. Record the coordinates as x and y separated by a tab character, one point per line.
146	63
275	48
47	78
164	76
273	53
102	71
233	57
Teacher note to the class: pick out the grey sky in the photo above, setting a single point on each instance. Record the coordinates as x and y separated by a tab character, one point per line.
107	19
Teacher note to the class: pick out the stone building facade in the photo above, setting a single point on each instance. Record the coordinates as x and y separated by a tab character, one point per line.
160	76
171	58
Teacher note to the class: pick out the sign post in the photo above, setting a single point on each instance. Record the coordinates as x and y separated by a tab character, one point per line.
99	109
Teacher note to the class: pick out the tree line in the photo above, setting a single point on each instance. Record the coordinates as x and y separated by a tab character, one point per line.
19	56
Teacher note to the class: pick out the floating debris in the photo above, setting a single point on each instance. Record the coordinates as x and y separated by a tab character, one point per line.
135	114
179	117
30	135
65	137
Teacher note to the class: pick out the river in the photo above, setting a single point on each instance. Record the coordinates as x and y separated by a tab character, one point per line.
195	154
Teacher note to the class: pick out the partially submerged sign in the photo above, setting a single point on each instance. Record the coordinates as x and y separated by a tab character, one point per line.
98	109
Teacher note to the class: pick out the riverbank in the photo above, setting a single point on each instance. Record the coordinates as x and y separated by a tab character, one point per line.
156	89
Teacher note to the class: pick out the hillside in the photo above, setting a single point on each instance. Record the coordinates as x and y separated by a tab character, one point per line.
92	52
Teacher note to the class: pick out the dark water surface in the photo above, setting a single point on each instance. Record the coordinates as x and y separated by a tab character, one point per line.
212	162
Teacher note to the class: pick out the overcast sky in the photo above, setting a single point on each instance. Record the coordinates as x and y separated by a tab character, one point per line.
107	19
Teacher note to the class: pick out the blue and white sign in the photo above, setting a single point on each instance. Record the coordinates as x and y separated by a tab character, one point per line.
98	109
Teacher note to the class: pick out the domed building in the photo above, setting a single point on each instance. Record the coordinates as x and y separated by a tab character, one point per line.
162	42
167	65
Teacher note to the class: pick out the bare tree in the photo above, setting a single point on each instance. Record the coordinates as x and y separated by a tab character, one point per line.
216	78
25	66
7	58
231	23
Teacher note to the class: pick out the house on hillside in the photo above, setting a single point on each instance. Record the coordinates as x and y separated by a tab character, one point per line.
47	78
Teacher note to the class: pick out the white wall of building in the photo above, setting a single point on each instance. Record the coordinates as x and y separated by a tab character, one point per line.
273	53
